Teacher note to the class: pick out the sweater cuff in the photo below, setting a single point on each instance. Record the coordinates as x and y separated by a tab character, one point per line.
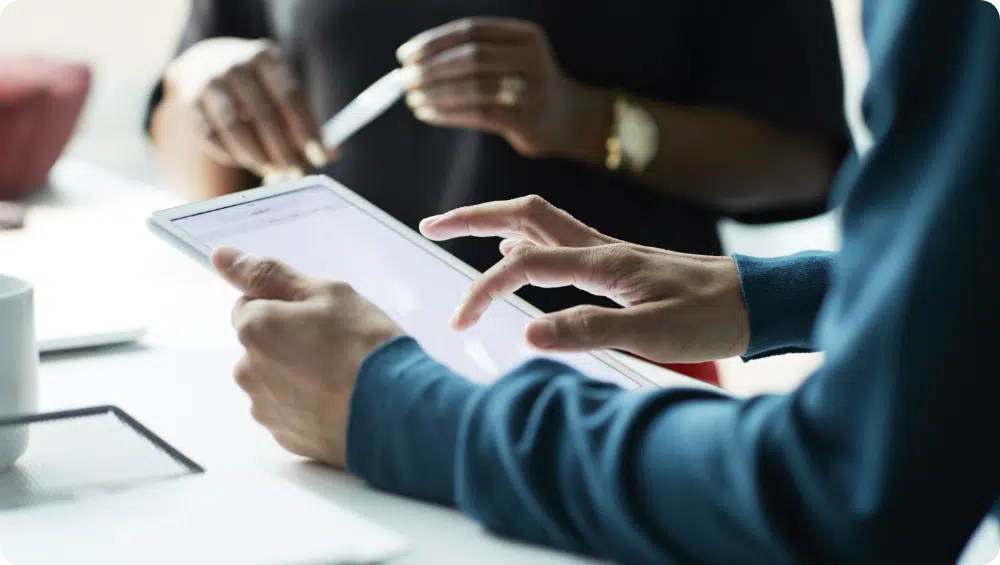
783	296
404	422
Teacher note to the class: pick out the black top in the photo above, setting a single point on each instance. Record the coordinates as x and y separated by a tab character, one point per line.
773	59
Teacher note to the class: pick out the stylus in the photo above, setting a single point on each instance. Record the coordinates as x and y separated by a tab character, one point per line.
361	111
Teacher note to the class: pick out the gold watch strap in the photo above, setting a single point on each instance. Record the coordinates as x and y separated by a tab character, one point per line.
615	158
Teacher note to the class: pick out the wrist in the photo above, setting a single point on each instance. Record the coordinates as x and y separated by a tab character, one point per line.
591	118
733	289
404	420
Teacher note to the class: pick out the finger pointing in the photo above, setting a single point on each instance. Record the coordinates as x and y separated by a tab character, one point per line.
527	264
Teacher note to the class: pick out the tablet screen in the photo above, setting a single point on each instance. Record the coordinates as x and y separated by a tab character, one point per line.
317	232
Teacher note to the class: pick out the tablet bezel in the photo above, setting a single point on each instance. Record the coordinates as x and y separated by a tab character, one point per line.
161	224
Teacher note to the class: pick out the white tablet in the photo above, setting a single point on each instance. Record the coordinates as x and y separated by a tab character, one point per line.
321	228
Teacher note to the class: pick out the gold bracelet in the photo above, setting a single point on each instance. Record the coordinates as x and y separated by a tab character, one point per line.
615	158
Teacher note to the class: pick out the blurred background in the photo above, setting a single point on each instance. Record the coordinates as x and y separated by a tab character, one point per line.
128	51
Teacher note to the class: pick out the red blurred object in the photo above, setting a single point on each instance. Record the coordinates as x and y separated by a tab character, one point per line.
704	372
40	104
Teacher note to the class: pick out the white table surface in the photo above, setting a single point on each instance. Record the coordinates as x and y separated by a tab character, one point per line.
87	250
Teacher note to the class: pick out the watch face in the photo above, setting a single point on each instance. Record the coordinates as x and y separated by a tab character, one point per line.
639	137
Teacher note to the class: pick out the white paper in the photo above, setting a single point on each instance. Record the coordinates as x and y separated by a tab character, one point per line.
203	520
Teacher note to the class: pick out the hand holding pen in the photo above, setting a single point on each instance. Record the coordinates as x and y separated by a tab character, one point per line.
248	105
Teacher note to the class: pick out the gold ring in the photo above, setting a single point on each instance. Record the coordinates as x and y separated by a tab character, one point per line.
510	91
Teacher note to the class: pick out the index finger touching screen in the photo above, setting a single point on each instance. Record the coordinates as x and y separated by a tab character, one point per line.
319	233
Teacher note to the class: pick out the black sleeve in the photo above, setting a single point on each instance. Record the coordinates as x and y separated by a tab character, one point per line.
216	18
777	61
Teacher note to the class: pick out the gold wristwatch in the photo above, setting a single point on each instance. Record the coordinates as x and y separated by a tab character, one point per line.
634	139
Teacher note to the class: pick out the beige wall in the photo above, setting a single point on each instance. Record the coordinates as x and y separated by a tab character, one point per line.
123	38
126	42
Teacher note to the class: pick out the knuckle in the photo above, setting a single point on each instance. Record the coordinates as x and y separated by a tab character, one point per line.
476	53
248	333
264	43
202	124
243	72
475	89
626	256
588	327
620	249
220	81
288	443
262	273
258	327
480	114
617	263
486	89
233	74
244	380
534	206
268	54
264	50
338	289
243	373
521	252
491	115
215	88
258	414
468	28
536	34
267	114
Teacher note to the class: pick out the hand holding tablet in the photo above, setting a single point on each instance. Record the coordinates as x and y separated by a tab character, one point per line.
323	230
306	339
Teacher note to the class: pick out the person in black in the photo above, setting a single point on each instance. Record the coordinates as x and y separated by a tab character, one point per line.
743	98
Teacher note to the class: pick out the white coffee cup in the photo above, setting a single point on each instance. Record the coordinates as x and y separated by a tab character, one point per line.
18	364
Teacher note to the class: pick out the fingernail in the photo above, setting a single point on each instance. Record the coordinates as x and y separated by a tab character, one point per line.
412	76
416	99
425	114
459	324
225	257
316	155
543	334
453	322
508	244
273	175
430	221
408	51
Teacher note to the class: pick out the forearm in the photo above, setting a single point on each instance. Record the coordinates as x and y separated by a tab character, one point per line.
669	476
713	156
187	166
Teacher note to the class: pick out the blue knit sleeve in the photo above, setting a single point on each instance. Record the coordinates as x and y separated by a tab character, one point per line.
885	455
783	297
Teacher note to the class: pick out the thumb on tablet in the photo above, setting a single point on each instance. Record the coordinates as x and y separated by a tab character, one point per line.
259	277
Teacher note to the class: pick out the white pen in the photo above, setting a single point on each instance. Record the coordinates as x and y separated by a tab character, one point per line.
370	104
363	110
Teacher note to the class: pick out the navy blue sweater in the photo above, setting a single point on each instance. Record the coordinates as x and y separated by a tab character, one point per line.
888	454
